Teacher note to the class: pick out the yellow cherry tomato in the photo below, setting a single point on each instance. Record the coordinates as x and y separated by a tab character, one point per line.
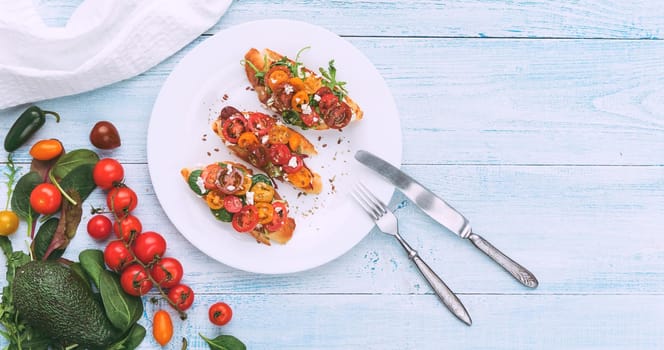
297	83
247	139
279	134
46	149
265	212
262	192
301	97
246	185
301	178
214	200
8	222
162	327
312	84
276	77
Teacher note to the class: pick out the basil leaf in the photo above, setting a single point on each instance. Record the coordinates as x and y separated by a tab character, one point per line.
222	215
80	180
21	196
69	161
193	182
122	310
44	238
224	342
293	118
92	261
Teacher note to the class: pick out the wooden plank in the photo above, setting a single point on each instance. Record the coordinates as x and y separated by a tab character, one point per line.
579	229
385	321
572	102
460	18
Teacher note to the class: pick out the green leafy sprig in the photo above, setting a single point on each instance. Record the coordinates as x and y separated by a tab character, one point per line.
330	80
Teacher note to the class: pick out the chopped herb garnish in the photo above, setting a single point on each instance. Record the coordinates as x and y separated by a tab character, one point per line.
330	80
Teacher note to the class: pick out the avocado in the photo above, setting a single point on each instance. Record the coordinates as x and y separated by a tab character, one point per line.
56	301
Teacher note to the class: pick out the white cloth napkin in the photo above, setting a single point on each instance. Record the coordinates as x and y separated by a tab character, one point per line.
104	41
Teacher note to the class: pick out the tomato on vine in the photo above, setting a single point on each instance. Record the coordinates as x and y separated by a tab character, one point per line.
45	199
99	227
149	246
135	280
167	272
117	256
181	296
127	228
107	173
121	200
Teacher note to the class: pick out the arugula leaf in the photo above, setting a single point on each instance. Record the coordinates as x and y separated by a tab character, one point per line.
330	80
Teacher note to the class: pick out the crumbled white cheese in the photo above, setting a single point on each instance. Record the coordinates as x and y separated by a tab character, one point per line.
278	209
230	188
288	88
292	162
229	168
279	122
265	139
317	98
306	109
250	198
201	184
315	119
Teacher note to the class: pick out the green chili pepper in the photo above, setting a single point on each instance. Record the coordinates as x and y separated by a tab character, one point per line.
27	124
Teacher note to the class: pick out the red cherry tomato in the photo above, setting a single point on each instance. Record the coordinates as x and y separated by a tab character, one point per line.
45	199
149	246
117	256
127	227
279	154
232	203
107	173
220	314
279	217
182	296
167	272
260	123
295	167
246	219
233	127
135	281
310	119
121	200
99	227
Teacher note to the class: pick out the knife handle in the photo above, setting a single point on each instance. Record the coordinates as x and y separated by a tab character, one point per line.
443	292
519	272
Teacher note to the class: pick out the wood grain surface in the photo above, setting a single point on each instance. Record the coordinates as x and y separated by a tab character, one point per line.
541	121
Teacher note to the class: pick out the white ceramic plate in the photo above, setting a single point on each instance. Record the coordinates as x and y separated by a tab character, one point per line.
210	77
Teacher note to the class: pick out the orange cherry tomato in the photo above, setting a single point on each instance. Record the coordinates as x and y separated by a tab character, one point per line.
265	212
247	139
162	327
276	77
301	178
279	134
297	83
312	84
214	200
46	149
301	97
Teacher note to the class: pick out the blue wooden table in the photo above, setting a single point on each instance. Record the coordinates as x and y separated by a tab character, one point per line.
542	121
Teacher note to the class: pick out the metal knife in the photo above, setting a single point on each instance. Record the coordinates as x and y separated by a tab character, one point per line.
442	212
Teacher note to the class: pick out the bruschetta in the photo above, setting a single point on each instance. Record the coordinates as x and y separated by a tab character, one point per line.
249	202
270	146
302	97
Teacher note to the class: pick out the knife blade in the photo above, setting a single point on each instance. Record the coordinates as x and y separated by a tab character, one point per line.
444	214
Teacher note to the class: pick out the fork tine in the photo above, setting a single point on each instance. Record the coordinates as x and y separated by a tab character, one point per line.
377	203
365	205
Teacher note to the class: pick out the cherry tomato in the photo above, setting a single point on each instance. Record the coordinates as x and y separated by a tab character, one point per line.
127	227
182	296
233	127
8	222
210	175
46	149
294	164
99	227
220	314
262	192
309	119
260	123
162	327
279	154
247	139
45	199
167	272
104	135
265	212
276	76
107	173
232	203
279	217
121	200
135	281
279	134
257	155
246	219
149	246
117	256
327	102
300	98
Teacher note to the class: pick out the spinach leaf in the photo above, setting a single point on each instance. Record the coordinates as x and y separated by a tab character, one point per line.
293	118
193	182
92	261
42	167
69	161
80	180
43	240
21	198
133	339
122	310
224	342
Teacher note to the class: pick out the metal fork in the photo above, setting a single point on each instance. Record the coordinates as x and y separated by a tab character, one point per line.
387	223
